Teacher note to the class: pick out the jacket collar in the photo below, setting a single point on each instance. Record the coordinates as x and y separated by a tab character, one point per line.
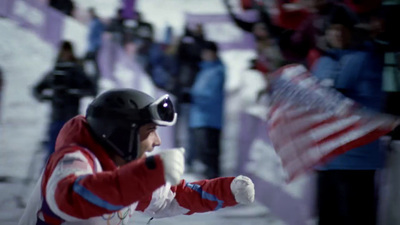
76	132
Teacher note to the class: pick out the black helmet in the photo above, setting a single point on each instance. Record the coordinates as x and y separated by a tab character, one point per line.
115	117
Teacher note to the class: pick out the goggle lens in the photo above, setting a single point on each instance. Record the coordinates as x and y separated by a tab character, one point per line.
165	110
162	111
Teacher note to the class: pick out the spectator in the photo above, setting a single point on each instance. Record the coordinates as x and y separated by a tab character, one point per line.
268	52
116	27
385	32
187	58
264	20
102	172
163	66
307	42
64	86
143	30
96	29
269	57
300	42
346	189
206	112
168	35
143	35
291	13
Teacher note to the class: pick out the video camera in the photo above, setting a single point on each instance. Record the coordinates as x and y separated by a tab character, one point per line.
59	80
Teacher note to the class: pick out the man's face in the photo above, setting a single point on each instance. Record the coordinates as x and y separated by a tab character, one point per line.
260	31
208	55
338	36
148	139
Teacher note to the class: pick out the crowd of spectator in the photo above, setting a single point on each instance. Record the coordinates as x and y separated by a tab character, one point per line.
350	46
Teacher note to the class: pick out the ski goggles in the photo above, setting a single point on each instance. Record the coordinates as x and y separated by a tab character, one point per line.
162	111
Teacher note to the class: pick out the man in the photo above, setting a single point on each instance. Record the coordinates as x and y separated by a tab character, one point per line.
116	27
100	174
94	38
96	29
143	39
346	188
206	110
63	88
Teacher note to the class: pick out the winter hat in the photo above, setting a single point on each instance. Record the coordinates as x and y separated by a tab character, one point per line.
343	16
210	45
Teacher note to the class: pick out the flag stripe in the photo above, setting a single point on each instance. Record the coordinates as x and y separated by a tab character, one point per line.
319	134
309	124
302	125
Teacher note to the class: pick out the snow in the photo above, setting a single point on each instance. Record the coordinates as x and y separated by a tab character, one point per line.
23	63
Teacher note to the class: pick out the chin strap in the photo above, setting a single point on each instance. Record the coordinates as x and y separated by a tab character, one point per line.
133	145
133	139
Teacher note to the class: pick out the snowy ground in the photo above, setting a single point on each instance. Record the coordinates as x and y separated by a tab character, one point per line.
24	58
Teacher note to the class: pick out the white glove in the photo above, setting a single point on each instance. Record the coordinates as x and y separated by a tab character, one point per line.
243	189
174	164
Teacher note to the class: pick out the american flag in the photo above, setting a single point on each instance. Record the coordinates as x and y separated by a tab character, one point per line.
309	123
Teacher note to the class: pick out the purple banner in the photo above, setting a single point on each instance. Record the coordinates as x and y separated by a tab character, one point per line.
29	15
45	21
221	29
54	26
6	7
292	203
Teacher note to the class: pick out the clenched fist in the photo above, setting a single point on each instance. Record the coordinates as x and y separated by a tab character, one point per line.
174	164
243	189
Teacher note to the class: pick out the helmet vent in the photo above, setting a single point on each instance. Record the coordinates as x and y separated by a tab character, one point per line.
133	103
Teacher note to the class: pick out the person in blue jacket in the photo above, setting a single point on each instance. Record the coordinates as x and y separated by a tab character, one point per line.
94	42
346	188
96	29
206	112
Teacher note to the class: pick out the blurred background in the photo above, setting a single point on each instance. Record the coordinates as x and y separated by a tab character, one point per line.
160	47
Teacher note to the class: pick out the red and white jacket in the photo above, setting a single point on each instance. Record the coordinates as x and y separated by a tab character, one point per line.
82	185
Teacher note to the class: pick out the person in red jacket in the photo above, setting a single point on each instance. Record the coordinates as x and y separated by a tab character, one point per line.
102	169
